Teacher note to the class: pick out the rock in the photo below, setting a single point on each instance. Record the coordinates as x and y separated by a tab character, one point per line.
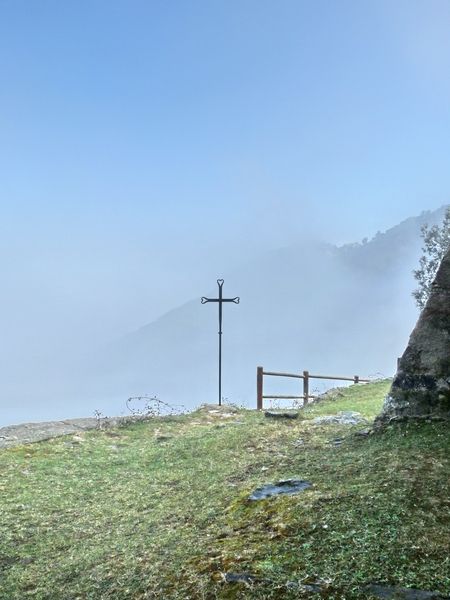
27	433
317	586
225	410
245	578
363	432
288	486
331	394
310	588
421	387
341	418
298	443
337	441
280	415
399	593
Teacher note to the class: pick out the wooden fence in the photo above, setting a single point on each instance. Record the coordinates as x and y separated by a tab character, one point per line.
306	376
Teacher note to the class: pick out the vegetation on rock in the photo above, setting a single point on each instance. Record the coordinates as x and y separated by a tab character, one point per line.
436	242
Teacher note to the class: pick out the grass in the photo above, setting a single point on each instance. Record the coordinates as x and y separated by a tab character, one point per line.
159	509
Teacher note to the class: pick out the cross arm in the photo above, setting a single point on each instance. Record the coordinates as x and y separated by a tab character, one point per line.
205	300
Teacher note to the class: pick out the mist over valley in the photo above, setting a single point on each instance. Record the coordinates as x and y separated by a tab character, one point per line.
332	310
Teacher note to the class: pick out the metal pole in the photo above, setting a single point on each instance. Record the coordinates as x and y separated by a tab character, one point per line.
220	300
220	284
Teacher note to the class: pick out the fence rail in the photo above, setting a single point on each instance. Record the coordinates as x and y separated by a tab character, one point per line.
306	376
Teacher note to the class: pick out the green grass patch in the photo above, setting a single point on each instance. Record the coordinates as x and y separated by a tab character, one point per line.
159	509
363	398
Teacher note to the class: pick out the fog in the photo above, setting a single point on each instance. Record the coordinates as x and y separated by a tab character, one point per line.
88	326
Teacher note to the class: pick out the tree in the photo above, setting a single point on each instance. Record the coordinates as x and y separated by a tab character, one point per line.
436	241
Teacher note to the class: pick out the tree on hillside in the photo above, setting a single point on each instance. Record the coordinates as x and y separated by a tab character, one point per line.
436	241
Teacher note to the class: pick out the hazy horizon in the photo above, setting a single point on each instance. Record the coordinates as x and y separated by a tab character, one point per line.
175	355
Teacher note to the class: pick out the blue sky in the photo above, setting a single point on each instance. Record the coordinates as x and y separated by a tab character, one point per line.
145	146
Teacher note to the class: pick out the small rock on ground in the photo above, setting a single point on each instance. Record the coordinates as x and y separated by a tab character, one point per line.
288	486
28	433
337	441
363	432
311	587
245	578
386	592
271	414
341	418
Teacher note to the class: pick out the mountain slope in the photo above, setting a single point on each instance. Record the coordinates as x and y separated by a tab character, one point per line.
338	310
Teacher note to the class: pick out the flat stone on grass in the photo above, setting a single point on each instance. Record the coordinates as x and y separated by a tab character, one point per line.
386	592
341	418
288	486
245	578
272	414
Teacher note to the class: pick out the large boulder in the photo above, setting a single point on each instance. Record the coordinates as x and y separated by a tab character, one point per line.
421	387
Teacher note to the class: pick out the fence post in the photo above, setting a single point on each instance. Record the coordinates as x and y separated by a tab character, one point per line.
305	387
259	388
356	379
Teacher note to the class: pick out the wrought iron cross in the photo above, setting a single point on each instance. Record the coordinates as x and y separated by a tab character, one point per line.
220	300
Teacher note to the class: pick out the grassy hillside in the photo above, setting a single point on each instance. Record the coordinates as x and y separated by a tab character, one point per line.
159	509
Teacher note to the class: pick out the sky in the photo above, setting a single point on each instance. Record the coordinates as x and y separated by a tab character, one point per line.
147	146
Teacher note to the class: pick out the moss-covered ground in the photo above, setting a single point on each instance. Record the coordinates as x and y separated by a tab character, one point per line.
159	509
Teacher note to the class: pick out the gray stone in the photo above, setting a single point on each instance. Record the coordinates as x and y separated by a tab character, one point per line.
298	443
332	394
28	433
225	410
363	433
318	586
245	578
341	418
288	486
272	414
337	441
398	593
421	387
